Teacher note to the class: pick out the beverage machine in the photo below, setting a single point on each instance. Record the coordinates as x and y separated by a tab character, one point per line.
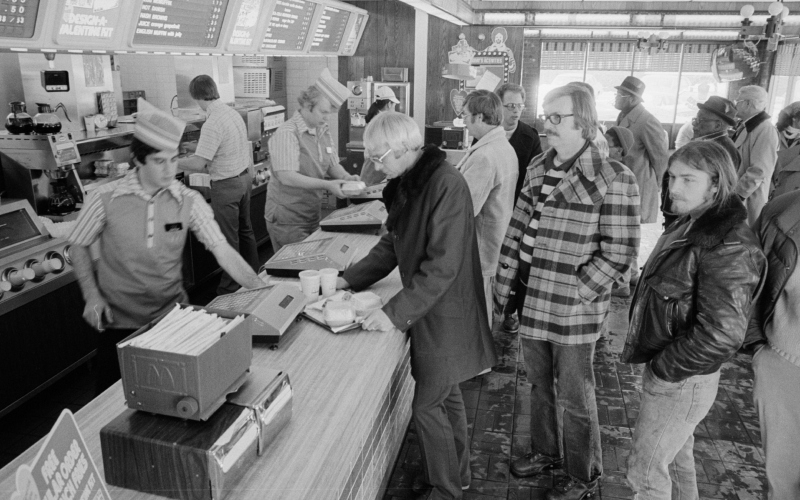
363	95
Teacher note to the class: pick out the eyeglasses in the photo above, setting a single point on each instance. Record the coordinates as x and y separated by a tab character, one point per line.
379	159
512	106
554	118
740	101
703	120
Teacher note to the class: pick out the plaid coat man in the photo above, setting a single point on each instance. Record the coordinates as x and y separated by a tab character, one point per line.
588	237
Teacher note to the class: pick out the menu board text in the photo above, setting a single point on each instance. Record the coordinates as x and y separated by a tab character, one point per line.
192	23
330	30
18	18
289	25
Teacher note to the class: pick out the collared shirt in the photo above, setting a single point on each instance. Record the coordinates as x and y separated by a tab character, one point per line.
92	217
284	148
223	142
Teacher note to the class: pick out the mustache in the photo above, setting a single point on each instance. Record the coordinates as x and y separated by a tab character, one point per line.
551	132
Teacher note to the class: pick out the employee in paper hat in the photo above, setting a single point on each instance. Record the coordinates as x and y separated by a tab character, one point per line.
305	163
141	222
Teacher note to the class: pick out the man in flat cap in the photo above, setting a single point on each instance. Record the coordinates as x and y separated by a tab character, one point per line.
714	119
141	223
649	152
304	164
224	152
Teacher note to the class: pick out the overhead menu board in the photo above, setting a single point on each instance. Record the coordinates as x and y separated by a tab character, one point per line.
18	18
330	30
289	26
249	18
87	23
354	32
182	23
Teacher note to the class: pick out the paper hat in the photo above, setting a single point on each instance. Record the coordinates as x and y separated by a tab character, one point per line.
331	88
156	128
386	93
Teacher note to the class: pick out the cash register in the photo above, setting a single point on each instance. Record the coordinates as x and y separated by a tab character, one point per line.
366	217
273	308
330	252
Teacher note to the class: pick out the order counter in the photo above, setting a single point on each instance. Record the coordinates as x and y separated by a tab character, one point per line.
352	404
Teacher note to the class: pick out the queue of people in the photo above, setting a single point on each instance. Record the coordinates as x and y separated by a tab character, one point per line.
509	237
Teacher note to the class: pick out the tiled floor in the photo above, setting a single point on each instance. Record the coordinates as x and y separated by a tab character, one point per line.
727	452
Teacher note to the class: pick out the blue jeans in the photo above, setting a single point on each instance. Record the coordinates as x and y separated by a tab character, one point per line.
663	440
563	405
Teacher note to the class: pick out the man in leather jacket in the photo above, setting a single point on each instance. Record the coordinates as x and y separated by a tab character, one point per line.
777	364
689	315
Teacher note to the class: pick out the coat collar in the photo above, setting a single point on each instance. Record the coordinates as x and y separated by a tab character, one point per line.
130	184
633	115
713	135
588	162
399	191
755	121
710	228
493	135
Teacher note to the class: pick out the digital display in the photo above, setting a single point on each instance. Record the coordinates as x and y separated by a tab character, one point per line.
290	25
16	227
330	30
191	23
244	31
87	20
286	301
352	37
18	18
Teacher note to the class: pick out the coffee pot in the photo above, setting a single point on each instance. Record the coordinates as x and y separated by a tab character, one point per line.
19	121
46	121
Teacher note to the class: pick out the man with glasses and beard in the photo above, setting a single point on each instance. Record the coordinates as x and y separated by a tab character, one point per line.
574	232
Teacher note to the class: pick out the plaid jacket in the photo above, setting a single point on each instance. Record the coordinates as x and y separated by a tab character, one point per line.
588	237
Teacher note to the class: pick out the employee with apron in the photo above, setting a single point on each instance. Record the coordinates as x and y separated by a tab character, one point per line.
141	223
304	162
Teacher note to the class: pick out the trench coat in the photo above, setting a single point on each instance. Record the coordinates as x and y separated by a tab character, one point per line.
431	240
757	142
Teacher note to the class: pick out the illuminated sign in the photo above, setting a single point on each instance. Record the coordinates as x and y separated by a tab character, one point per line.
192	23
330	30
289	26
87	21
244	31
18	18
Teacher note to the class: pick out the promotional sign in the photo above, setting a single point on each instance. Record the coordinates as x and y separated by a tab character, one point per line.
182	23
88	23
330	30
63	468
248	25
289	26
18	18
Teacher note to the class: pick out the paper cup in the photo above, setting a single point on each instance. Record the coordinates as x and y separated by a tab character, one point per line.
328	281
309	284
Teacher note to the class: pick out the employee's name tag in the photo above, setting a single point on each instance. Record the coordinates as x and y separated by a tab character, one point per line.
174	227
329	150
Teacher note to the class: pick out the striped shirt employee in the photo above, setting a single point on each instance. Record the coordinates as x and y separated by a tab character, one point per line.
225	153
304	162
140	224
574	232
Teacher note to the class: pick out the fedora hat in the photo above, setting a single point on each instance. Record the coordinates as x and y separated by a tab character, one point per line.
632	86
721	107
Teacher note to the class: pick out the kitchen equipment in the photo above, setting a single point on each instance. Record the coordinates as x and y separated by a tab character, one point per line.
19	121
46	121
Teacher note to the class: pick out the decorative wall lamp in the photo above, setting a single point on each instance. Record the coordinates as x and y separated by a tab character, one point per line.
652	43
771	31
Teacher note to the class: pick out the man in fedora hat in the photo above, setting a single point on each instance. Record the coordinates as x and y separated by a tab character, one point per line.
713	121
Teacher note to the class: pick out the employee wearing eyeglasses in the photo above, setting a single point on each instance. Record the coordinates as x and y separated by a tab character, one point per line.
304	163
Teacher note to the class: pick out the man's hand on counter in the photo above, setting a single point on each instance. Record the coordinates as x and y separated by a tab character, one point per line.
377	320
97	313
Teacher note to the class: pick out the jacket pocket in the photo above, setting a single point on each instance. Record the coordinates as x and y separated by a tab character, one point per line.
670	303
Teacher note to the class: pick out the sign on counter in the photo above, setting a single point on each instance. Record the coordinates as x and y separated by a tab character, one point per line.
186	23
63	468
18	18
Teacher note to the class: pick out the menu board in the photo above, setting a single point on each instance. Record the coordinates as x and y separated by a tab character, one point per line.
192	23
330	30
246	27
18	18
88	22
289	26
354	35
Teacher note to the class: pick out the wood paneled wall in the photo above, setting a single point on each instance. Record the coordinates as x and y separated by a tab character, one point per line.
442	36
388	41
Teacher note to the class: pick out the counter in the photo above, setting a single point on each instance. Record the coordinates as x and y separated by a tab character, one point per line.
352	404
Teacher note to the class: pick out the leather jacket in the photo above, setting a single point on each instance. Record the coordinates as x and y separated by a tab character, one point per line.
691	307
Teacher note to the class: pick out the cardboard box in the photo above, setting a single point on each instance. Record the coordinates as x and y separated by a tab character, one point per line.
184	386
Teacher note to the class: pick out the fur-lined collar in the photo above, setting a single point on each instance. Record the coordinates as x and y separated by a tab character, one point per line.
751	123
711	227
400	190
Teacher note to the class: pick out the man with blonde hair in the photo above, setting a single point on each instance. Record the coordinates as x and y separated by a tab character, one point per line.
756	138
574	231
431	239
